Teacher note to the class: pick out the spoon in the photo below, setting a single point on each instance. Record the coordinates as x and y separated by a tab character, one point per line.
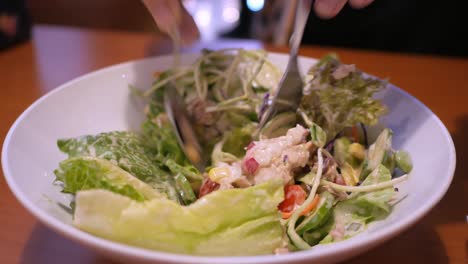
181	121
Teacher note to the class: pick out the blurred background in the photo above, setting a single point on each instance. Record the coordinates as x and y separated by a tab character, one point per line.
410	26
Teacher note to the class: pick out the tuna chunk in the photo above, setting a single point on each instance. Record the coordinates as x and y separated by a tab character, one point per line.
277	157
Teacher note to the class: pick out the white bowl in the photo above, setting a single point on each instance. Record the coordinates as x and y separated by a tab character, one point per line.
101	101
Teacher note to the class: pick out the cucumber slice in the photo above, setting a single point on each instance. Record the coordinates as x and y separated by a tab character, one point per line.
319	216
315	236
389	160
403	161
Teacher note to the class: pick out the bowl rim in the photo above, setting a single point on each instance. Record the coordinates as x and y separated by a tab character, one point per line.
107	246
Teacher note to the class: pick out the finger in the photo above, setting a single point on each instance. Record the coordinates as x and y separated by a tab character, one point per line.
328	8
166	13
188	28
169	14
360	3
175	8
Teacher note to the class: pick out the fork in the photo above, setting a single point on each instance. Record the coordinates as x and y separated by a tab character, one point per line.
289	91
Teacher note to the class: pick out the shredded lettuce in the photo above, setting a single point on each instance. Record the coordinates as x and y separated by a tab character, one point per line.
223	91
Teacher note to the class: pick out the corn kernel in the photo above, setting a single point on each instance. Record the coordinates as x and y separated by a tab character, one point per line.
216	174
357	150
349	175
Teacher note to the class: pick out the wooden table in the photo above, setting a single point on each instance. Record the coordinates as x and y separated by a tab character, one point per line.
56	55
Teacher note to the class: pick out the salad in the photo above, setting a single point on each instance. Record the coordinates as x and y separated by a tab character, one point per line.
309	177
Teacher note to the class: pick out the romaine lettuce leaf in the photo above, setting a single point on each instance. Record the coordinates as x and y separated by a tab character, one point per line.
339	96
125	149
85	173
228	222
167	154
162	142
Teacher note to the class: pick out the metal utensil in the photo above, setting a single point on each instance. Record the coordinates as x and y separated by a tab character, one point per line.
289	91
287	98
176	111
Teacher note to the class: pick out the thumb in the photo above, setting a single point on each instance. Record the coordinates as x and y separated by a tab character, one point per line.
328	8
169	14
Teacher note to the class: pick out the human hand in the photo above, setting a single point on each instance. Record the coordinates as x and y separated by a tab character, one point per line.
330	8
170	15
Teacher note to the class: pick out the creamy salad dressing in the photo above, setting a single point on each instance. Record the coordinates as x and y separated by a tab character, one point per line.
278	157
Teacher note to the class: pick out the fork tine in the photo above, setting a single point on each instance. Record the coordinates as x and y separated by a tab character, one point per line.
289	92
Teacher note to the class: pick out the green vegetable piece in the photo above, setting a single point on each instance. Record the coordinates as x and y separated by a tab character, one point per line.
126	149
188	171
374	205
348	226
403	161
319	216
326	240
85	173
308	178
279	125
237	140
184	188
340	96
218	155
227	222
340	150
162	143
313	237
344	155
352	216
318	135
389	160
169	157
376	152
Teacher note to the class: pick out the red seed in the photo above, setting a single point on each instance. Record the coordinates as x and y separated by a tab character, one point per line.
251	165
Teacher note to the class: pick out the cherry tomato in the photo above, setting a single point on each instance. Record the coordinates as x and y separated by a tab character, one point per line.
207	187
293	195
